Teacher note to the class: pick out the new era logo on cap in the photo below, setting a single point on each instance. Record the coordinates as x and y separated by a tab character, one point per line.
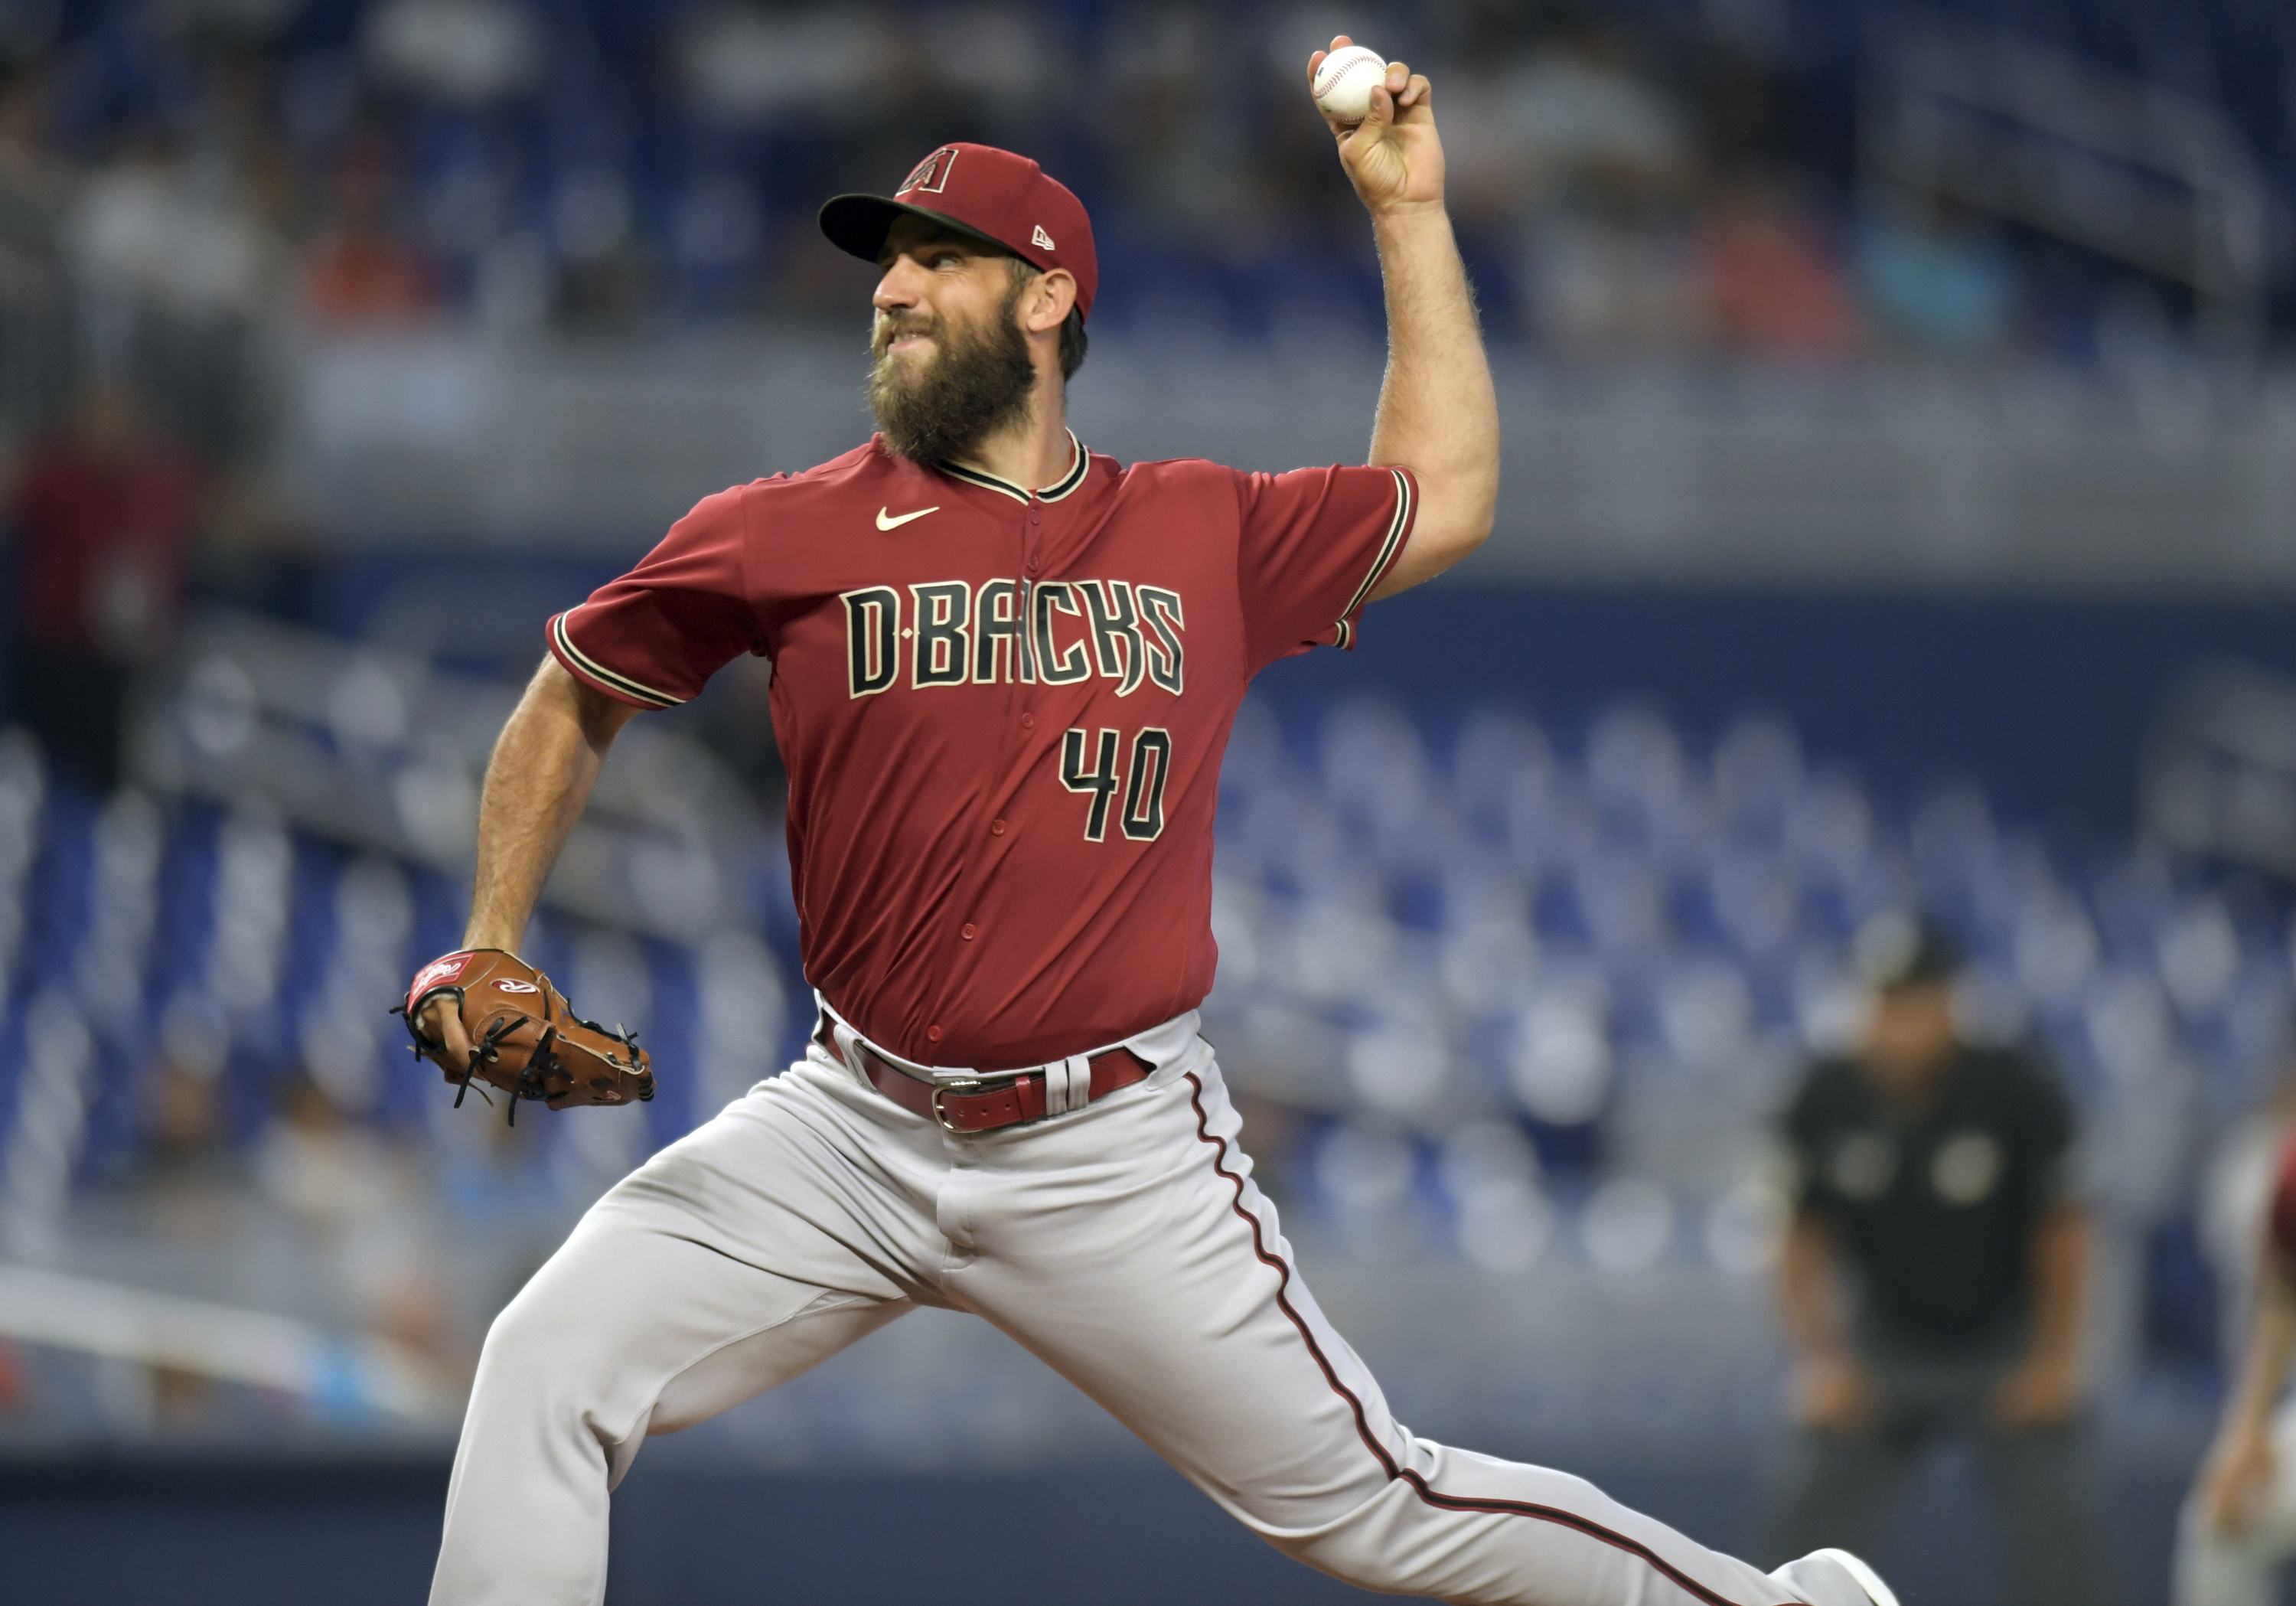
979	190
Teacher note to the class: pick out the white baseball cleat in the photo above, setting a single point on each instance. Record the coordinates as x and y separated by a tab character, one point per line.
1835	1577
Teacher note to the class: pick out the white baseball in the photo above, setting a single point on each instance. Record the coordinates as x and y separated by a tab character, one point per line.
1344	82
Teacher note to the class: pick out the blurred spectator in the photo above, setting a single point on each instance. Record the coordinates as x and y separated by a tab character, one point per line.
35	203
1933	279
1934	1180
1579	116
606	274
102	515
1612	278
471	51
34	185
144	228
356	1193
1564	164
740	64
322	1167
176	273
361	271
1770	286
1180	154
187	1169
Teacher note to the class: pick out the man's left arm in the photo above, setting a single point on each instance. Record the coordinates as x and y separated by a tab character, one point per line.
2047	1385
1438	415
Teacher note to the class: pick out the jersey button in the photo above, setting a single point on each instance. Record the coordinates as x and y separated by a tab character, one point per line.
997	828
969	931
1028	722
1033	519
933	1034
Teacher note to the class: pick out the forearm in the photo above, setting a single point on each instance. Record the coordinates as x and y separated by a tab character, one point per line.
2264	1361
1437	413
1807	1303
2061	1254
537	781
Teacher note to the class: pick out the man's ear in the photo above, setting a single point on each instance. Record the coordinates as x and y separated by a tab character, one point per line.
1044	305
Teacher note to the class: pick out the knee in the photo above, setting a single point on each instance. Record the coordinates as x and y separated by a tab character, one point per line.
1345	1550
538	1357
1337	1545
522	1331
1380	1543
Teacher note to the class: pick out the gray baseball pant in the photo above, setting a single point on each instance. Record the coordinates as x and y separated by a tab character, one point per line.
2041	1483
1124	1244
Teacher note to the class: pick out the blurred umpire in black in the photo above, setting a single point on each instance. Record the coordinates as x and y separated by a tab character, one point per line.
1932	1283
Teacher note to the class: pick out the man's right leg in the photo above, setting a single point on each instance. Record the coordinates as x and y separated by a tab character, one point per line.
1127	1246
736	1259
1836	1488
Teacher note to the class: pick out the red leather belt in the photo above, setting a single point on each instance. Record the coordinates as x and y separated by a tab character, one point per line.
989	1102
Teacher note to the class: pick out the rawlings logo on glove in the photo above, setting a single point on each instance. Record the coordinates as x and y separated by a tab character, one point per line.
523	1036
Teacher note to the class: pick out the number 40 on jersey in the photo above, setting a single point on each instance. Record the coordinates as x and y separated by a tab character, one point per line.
1141	817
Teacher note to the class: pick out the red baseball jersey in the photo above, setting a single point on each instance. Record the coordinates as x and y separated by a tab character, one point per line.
1002	713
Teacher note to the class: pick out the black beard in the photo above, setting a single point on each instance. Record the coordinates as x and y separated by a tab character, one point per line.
978	382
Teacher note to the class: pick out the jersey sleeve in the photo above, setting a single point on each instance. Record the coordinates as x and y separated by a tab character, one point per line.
654	636
1314	543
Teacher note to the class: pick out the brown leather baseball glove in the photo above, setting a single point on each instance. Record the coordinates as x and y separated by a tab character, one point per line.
524	1038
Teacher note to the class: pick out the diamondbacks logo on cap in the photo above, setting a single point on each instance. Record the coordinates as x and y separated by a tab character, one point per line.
1041	240
931	175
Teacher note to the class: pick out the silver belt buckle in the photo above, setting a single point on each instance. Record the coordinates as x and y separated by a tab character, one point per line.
964	1085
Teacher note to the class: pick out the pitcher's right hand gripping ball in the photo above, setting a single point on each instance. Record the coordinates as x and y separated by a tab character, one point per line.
1390	153
495	1018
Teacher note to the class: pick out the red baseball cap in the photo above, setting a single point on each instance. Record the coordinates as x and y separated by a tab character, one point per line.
993	196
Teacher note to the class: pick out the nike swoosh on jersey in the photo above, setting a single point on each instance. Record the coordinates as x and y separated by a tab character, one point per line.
890	523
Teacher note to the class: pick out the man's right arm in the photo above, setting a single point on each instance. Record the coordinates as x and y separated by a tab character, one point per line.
538	780
1829	1385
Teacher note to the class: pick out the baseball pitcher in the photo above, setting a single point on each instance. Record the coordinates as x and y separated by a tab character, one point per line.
1004	669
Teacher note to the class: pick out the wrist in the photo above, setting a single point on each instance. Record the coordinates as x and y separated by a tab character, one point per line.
1403	217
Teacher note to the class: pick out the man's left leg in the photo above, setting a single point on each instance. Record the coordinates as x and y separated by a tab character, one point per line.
2048	1514
1127	1246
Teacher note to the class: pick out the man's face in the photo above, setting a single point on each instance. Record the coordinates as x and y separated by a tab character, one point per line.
1912	1029
948	361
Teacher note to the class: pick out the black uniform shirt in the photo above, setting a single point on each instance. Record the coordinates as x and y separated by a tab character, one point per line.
1935	1206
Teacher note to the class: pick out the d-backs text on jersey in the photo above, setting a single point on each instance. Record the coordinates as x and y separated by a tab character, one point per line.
949	632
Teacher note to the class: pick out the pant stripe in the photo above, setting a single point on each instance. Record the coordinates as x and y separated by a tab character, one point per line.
1451	1502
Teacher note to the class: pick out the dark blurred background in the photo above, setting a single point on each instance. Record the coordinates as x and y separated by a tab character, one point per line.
1899	509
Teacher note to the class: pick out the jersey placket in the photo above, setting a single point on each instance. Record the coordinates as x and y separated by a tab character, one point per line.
993	820
992	823
1019	701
